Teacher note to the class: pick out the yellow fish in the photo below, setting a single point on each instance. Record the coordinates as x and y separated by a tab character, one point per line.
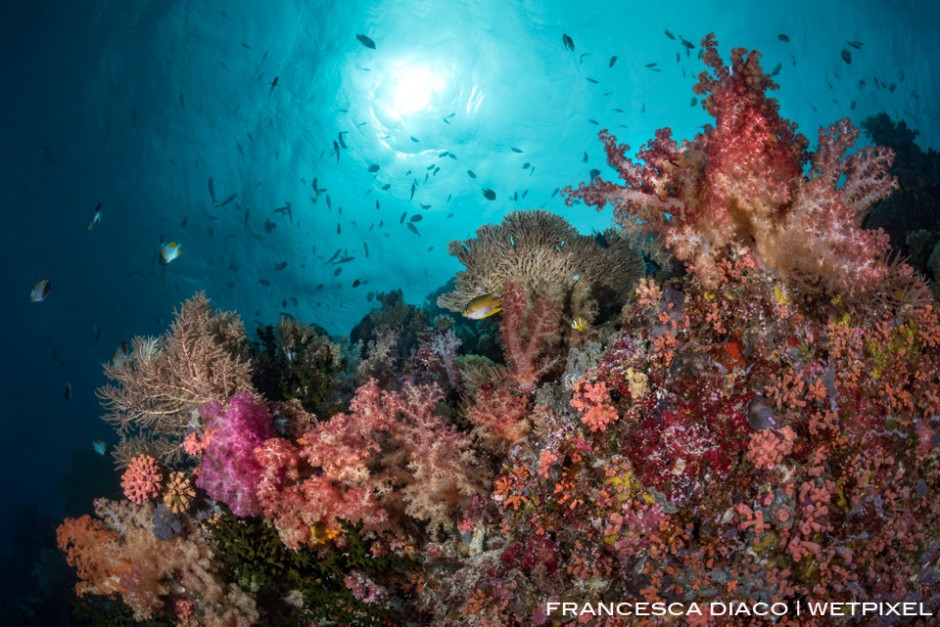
579	324
482	307
40	291
169	252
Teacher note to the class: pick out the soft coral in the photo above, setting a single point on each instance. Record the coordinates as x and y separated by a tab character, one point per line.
741	185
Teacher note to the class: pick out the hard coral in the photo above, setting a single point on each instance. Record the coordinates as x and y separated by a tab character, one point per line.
179	493
142	480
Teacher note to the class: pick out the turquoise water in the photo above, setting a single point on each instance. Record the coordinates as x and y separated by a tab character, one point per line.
139	105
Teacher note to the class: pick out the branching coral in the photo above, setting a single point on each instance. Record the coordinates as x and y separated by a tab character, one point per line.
158	387
298	361
547	257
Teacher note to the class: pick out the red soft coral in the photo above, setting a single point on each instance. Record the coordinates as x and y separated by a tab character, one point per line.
142	480
500	414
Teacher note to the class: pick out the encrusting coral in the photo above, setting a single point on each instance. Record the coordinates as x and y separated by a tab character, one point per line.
547	257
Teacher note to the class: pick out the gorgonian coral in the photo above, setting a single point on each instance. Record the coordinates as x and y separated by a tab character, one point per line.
545	256
156	389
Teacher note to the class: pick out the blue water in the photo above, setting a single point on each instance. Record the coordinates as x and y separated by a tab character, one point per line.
136	105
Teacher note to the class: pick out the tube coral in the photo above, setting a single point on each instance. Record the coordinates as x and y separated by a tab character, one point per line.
142	480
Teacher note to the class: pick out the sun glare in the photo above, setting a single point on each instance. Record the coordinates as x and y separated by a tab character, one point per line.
414	89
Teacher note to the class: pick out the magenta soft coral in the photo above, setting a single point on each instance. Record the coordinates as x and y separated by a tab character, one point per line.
229	471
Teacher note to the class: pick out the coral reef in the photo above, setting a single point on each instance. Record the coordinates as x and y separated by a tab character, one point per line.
909	216
297	361
764	428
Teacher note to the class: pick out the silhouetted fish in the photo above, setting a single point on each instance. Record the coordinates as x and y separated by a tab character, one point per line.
567	41
366	41
489	194
783	38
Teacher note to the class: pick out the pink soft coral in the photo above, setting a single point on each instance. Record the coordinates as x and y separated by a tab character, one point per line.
142	480
339	473
229	471
529	326
741	185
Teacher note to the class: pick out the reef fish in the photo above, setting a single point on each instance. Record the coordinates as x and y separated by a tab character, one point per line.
482	306
366	41
96	218
169	252
40	291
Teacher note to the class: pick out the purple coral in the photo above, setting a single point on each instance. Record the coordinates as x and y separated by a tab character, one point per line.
229	471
